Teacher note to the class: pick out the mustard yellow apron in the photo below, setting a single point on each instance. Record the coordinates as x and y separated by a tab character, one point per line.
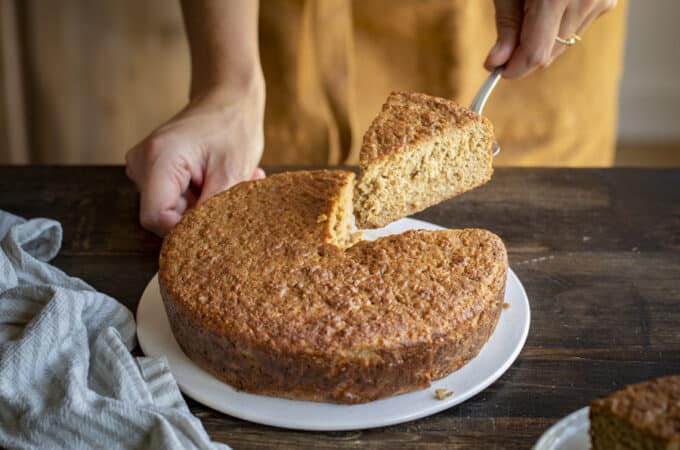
330	64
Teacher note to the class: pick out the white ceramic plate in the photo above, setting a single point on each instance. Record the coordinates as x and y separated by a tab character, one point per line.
156	339
570	433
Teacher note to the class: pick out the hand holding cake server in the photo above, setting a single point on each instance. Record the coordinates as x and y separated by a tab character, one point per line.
216	141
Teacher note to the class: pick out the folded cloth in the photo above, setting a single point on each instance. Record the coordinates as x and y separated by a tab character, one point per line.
67	378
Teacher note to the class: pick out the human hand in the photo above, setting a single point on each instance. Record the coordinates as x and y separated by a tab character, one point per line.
527	30
215	142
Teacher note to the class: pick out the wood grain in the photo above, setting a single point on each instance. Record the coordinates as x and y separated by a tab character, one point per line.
598	252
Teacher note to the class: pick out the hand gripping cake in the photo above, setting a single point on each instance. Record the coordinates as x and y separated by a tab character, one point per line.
643	416
419	151
264	289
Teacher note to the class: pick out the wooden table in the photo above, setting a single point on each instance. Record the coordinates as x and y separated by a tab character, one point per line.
598	252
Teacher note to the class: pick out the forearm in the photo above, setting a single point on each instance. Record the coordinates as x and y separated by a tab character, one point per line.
223	43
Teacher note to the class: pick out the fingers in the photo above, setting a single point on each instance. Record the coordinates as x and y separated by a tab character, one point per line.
540	26
577	17
160	197
170	175
167	219
163	176
541	23
508	25
258	174
570	24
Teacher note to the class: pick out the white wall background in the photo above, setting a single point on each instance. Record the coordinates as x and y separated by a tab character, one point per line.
650	89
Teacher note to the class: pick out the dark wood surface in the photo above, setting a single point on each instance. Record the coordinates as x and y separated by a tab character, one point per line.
598	252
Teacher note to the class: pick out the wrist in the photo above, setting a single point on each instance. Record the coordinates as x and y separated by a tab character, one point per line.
243	98
234	83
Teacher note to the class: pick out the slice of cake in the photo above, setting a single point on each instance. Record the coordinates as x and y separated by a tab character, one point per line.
419	151
641	416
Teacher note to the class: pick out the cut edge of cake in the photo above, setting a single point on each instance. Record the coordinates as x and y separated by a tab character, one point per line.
419	151
340	214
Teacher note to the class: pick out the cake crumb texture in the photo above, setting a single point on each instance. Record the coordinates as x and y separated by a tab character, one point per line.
419	151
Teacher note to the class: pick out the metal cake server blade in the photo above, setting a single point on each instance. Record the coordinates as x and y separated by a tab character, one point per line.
483	95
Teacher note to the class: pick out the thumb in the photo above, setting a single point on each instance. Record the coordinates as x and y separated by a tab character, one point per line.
508	25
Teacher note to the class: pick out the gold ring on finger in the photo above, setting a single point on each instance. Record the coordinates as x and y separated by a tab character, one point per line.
571	40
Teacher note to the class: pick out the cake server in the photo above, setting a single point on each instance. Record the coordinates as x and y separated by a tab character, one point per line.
483	95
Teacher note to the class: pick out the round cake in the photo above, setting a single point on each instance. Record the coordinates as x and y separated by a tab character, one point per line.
265	289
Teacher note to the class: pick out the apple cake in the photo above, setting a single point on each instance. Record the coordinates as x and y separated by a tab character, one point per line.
264	288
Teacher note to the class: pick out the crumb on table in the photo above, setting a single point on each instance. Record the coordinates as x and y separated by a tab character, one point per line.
506	305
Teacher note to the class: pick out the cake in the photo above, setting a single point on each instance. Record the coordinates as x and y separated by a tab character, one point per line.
264	288
419	151
644	416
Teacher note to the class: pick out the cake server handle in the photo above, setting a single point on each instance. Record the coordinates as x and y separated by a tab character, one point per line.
482	96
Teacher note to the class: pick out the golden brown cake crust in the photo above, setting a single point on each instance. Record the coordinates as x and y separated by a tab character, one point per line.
408	118
256	293
652	407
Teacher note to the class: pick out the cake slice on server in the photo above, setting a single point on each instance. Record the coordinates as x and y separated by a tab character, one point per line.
419	151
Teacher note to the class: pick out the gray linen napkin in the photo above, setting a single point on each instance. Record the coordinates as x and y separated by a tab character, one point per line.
67	378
